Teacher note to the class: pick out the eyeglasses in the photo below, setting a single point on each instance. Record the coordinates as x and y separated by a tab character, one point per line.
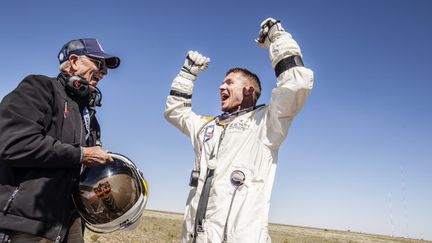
100	64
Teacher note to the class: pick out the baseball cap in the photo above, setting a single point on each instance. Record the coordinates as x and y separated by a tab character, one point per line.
89	47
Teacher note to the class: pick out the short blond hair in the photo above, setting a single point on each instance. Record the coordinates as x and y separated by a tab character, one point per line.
251	77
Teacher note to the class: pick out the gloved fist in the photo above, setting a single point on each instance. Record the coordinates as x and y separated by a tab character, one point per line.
270	30
280	43
194	64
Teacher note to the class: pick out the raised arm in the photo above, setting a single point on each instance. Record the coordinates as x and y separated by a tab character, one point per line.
178	110
294	81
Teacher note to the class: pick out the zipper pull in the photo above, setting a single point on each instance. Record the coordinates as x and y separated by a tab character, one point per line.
65	110
58	239
9	201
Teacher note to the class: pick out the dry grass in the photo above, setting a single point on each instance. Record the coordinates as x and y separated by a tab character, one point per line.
164	227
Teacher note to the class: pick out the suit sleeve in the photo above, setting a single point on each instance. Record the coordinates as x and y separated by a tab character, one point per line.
23	139
287	99
178	110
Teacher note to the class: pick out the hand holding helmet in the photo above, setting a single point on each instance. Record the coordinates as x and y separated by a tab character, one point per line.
95	155
194	64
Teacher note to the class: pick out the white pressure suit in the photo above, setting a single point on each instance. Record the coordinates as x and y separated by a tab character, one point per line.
249	143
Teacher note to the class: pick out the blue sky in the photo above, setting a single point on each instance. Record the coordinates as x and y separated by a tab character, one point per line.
358	156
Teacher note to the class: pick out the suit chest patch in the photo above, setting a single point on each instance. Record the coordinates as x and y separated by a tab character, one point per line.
208	133
239	126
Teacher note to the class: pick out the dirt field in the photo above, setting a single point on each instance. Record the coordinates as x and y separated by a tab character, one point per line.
161	227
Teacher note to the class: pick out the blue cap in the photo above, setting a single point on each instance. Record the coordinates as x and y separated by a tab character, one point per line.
89	47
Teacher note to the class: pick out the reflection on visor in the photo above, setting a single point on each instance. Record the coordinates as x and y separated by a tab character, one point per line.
102	202
111	192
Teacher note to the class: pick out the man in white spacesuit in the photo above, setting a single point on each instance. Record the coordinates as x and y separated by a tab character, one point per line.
236	152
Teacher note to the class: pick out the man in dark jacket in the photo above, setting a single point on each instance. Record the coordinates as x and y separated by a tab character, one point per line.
48	132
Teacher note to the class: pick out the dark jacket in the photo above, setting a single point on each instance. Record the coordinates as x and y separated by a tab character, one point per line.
41	132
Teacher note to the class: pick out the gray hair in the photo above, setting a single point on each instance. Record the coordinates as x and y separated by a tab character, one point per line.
64	67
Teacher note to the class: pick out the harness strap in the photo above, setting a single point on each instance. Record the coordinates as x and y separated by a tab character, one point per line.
202	204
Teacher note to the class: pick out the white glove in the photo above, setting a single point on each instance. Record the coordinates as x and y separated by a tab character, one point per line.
280	43
194	64
270	30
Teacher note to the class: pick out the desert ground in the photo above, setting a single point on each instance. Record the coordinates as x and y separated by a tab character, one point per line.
157	226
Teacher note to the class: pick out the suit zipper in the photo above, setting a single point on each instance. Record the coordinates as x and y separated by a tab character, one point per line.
57	240
220	140
10	200
62	225
81	129
59	232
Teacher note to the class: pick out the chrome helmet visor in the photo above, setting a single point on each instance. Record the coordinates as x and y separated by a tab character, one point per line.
111	196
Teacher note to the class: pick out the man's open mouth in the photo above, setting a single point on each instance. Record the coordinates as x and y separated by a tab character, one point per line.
224	96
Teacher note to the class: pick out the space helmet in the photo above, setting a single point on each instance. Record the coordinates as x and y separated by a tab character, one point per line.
111	196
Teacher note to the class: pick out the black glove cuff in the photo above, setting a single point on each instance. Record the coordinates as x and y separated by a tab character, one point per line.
287	63
180	94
